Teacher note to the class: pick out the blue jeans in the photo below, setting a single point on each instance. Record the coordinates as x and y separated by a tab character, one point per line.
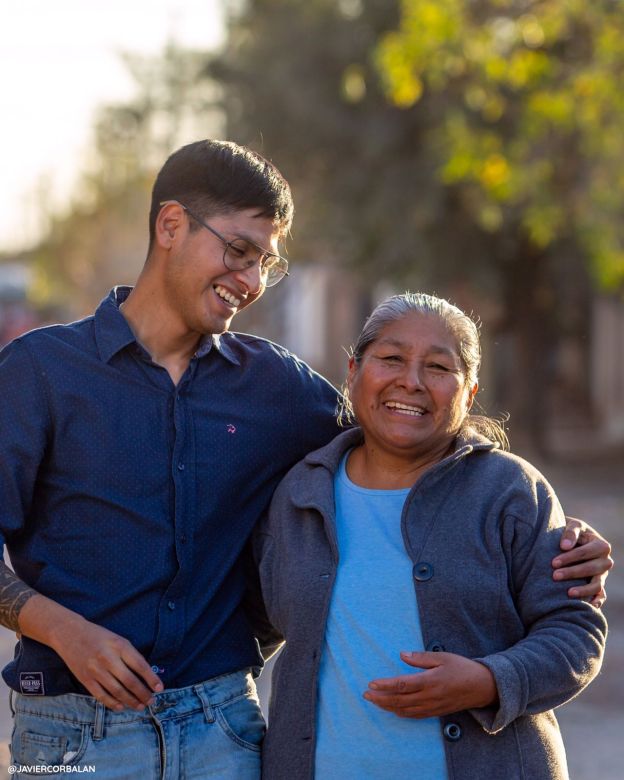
210	730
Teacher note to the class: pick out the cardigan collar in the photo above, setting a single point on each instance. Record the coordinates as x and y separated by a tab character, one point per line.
315	489
331	454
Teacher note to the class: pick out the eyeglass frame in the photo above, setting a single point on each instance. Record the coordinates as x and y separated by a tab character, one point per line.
263	256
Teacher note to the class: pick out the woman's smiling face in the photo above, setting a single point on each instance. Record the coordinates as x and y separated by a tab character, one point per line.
409	391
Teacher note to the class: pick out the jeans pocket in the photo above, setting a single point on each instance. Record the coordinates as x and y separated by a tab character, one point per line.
242	721
49	743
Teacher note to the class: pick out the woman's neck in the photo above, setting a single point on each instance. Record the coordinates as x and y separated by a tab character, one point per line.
372	468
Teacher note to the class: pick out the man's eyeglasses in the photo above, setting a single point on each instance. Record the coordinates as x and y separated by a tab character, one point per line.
241	254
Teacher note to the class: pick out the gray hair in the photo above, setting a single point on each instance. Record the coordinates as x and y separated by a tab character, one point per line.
461	326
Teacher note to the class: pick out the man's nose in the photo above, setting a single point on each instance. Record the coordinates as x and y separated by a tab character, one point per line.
251	278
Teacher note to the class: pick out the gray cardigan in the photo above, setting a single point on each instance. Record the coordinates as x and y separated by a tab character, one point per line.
481	527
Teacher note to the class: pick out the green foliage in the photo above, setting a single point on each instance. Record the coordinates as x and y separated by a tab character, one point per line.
531	111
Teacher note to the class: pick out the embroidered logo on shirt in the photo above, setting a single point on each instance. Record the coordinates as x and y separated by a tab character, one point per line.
31	683
231	428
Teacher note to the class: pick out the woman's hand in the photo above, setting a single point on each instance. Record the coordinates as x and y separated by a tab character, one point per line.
589	557
449	684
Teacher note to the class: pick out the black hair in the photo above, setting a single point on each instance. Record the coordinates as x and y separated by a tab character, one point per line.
216	177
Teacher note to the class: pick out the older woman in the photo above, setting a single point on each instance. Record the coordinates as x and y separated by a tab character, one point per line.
407	565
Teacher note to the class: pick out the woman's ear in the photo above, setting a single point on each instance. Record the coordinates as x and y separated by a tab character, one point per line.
352	366
471	396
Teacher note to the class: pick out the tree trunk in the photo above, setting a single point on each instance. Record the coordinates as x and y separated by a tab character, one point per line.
530	300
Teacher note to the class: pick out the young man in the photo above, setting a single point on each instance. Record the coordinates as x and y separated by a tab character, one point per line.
138	448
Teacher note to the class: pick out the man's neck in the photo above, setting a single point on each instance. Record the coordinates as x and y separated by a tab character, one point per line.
167	344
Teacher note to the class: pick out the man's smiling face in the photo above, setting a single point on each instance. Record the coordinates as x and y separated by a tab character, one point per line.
204	293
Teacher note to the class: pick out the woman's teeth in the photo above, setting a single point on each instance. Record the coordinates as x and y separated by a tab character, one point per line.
415	411
227	296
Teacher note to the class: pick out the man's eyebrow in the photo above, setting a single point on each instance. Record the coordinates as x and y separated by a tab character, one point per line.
242	237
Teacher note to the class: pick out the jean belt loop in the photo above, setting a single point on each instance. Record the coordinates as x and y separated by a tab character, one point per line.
11	698
98	723
203	696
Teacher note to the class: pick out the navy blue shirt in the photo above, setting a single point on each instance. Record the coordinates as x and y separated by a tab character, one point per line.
129	499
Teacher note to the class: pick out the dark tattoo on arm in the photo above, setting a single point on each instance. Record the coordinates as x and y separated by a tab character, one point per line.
13	595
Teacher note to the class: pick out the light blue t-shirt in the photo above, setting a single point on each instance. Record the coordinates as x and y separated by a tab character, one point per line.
373	616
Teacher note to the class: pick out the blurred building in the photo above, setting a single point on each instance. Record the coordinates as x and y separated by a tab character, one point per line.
607	366
16	315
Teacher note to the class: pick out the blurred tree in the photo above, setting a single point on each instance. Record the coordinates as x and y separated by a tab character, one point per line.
530	110
101	238
469	146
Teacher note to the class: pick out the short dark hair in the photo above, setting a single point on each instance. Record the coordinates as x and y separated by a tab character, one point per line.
215	177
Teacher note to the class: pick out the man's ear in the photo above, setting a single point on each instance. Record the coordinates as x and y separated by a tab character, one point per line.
169	222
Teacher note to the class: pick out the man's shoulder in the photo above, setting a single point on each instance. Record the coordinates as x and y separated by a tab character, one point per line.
47	340
257	351
241	343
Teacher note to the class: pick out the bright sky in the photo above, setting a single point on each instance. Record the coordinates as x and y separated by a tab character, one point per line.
59	61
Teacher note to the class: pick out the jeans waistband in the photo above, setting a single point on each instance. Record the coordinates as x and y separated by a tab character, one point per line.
173	702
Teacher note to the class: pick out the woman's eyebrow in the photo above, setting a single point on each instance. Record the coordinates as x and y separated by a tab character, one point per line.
433	349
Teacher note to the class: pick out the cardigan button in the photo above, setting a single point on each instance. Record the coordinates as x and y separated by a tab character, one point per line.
435	647
452	732
422	571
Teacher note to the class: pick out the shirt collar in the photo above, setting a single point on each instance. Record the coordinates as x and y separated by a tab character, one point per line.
113	333
223	346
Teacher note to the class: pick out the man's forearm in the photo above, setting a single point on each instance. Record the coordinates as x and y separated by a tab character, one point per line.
13	595
24	610
93	654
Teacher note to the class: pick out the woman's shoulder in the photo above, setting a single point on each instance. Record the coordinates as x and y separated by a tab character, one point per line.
513	464
512	481
311	479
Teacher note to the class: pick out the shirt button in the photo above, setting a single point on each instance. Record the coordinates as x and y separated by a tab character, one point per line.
423	571
183	538
435	647
171	605
181	467
452	732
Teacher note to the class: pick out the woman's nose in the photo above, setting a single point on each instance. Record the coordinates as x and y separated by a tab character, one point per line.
412	377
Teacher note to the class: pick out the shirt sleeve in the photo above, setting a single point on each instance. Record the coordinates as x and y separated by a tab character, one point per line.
313	407
24	429
564	643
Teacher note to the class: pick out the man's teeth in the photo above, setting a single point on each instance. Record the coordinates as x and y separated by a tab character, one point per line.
414	411
227	296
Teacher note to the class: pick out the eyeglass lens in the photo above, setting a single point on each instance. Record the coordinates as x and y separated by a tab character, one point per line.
240	255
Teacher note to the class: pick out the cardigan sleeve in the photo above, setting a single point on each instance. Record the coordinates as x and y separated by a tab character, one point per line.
258	556
562	649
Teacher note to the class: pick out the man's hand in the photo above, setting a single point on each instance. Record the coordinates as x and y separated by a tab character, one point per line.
449	684
588	556
109	667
